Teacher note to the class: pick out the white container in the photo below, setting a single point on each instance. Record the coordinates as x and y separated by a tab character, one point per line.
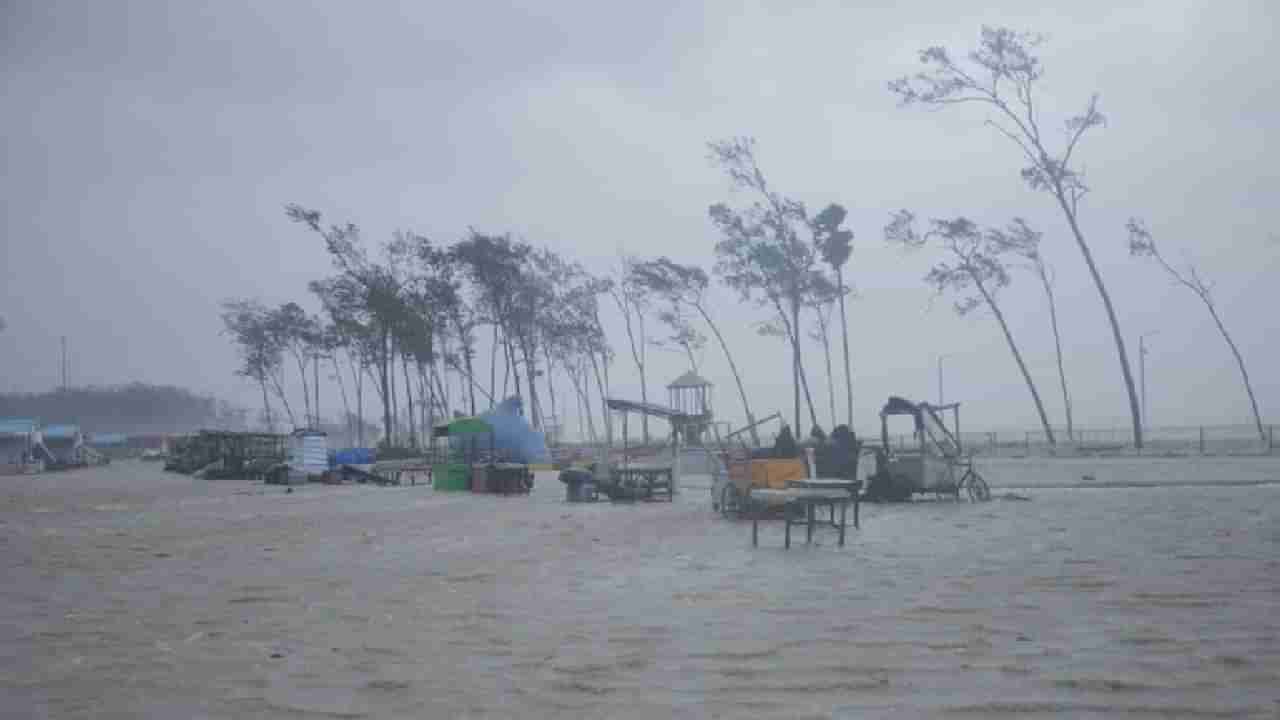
308	453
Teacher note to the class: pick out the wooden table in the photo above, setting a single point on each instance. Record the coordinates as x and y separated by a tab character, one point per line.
853	487
804	498
642	482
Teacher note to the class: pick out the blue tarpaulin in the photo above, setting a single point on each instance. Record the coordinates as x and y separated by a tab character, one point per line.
17	426
513	438
60	432
354	456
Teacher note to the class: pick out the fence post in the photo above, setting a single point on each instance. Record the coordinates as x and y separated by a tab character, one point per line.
1028	443
1271	439
995	447
1202	440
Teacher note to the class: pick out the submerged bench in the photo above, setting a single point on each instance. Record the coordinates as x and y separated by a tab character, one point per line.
640	482
804	500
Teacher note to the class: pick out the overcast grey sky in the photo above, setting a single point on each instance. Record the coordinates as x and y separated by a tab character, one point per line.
149	148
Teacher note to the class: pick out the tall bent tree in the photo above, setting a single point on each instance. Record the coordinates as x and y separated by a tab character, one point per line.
1002	75
248	323
686	285
971	265
760	253
634	304
1141	244
1021	240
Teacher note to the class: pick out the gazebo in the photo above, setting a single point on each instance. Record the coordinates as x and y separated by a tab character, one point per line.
690	394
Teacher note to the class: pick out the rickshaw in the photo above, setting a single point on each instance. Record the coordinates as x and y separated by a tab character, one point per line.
934	463
742	470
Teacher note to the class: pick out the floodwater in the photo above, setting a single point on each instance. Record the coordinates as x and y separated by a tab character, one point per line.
132	593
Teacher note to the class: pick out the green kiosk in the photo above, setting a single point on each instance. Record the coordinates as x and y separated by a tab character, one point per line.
454	473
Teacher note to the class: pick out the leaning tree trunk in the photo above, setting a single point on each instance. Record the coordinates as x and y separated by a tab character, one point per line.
801	380
1008	336
471	388
515	373
1057	347
391	375
530	370
425	371
808	396
442	395
826	351
844	337
795	368
383	372
582	385
506	367
737	377
493	364
315	375
342	389
603	387
306	391
284	400
359	381
467	341
1134	409
551	388
408	394
266	405
1244	374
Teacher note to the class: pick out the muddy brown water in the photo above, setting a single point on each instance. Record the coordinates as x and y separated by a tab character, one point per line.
129	592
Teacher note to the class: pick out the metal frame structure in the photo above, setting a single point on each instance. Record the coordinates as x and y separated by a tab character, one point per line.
935	465
649	477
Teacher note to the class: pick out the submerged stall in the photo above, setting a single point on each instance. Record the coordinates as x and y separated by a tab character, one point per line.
474	460
452	471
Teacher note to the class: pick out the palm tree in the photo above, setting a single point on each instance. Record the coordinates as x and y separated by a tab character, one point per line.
836	246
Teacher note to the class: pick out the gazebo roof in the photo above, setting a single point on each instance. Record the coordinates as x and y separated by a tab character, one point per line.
690	379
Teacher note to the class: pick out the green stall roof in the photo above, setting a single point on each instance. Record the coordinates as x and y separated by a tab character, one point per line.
462	426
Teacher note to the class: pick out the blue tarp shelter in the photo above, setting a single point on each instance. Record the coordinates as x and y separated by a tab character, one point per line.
514	439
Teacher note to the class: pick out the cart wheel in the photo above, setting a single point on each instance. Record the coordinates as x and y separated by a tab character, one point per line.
976	486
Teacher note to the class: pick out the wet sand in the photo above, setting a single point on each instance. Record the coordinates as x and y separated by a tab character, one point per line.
129	592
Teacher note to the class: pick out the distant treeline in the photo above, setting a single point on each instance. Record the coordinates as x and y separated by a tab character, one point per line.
136	408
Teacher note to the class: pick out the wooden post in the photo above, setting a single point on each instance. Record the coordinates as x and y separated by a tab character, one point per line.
1202	440
1271	438
1028	443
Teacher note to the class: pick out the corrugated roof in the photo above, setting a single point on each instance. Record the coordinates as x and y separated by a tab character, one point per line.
17	426
60	431
688	380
